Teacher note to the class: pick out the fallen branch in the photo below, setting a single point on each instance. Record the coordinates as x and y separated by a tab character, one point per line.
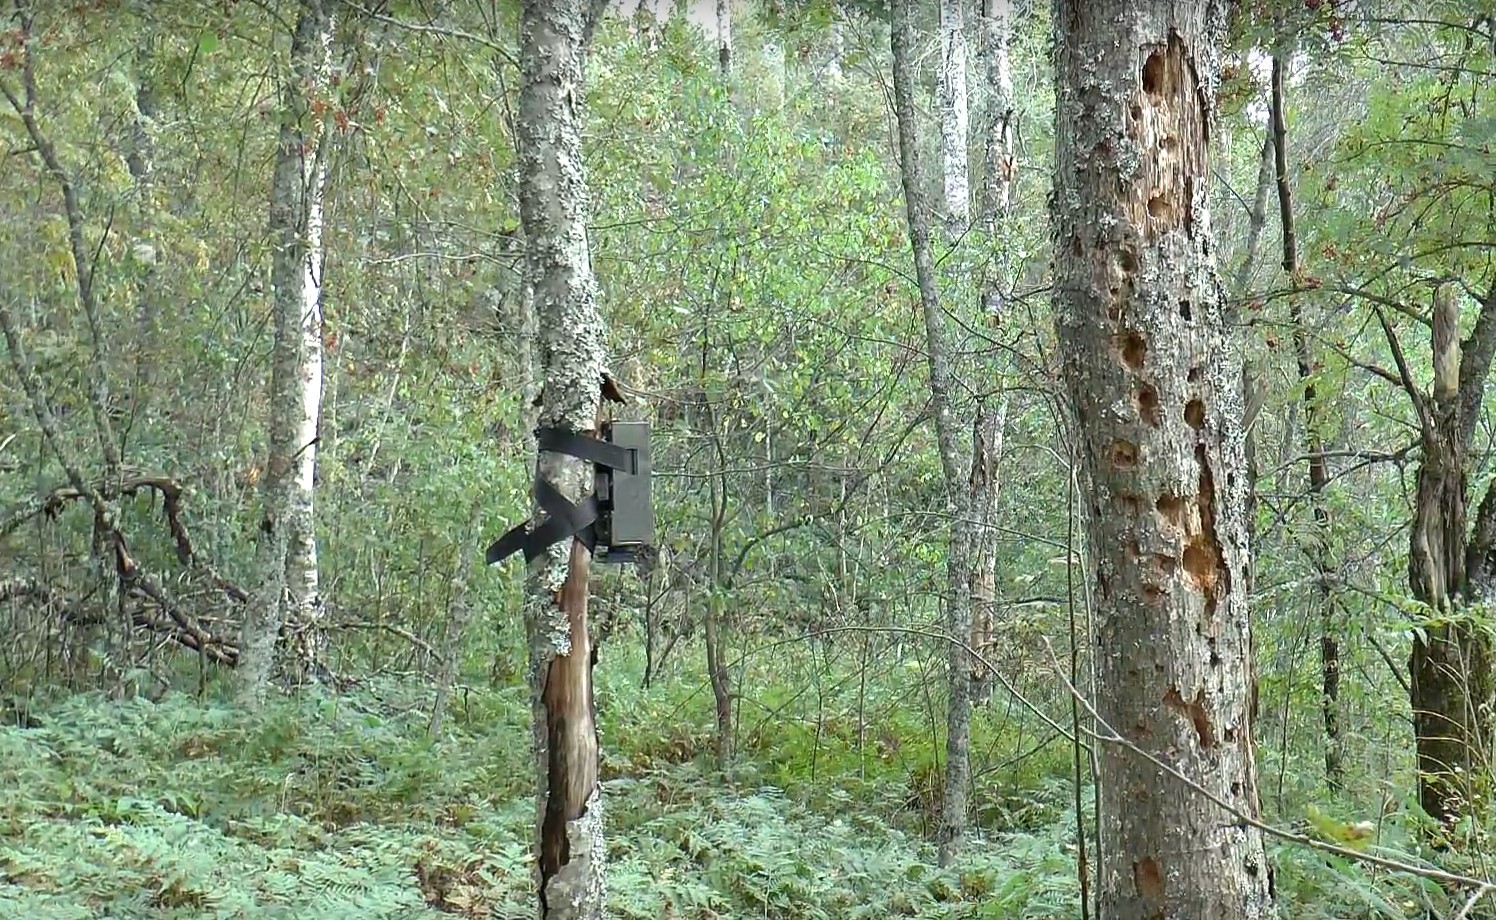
171	493
403	633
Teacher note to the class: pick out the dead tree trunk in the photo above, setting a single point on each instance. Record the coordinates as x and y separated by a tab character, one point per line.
1154	381
999	170
554	206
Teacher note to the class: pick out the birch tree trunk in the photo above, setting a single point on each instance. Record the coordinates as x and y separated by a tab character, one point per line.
724	37
286	555
1154	379
948	437
303	587
554	206
999	169
953	116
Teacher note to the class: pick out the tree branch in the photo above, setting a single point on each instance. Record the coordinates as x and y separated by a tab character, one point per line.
83	263
1280	163
1405	376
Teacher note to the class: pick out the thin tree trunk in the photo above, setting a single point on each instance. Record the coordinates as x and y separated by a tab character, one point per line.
554	206
1252	388
999	170
282	558
1154	380
141	161
952	828
837	50
724	38
1257	219
985	482
1317	471
302	582
953	116
459	614
715	638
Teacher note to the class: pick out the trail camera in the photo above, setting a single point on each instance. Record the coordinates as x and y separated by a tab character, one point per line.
617	521
625	521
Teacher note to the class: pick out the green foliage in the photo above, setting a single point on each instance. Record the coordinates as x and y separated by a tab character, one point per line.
752	257
340	807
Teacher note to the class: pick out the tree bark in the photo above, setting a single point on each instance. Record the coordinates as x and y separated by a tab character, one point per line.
1315	467
1001	119
554	208
948	437
999	170
141	161
724	38
286	552
952	92
1450	666
1154	381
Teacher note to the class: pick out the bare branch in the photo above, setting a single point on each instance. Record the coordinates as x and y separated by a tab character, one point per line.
1396	306
432	28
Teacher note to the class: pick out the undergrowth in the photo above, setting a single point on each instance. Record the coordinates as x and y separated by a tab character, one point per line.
326	808
329	807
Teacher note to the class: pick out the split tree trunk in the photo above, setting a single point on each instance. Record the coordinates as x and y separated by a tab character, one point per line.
1450	668
286	555
1154	380
952	829
554	207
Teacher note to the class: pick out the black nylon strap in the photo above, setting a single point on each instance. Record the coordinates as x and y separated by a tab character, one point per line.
563	519
510	543
585	447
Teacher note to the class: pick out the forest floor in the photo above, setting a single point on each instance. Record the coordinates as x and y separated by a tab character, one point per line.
330	807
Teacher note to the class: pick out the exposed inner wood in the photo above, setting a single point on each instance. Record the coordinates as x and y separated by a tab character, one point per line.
571	723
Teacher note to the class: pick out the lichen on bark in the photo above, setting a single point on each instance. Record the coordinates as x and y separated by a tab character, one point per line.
554	208
1154	379
285	554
